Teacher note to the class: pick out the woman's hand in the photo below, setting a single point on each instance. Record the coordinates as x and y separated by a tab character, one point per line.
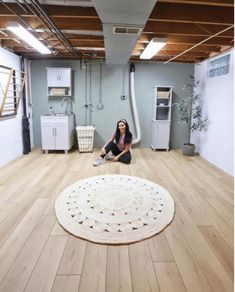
115	159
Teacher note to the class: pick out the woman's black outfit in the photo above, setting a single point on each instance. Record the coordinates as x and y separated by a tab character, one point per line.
111	146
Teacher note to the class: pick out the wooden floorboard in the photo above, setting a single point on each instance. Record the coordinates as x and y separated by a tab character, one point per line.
194	253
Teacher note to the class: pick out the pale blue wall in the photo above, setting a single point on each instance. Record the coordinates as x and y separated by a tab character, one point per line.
147	75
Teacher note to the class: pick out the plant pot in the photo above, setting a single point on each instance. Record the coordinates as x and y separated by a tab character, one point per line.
189	149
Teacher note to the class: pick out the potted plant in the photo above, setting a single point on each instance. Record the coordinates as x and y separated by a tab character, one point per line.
190	113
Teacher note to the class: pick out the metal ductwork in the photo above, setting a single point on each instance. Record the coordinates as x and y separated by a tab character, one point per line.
129	15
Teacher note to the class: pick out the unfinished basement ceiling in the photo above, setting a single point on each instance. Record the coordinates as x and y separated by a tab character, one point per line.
77	30
120	20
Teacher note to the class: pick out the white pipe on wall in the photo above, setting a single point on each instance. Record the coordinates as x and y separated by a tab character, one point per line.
134	106
86	98
90	99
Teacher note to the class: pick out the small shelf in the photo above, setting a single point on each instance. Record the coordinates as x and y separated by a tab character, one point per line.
161	120
59	91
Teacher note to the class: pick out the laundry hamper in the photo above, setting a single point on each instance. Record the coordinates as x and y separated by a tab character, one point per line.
85	136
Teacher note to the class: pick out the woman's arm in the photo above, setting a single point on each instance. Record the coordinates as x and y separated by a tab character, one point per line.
127	148
110	140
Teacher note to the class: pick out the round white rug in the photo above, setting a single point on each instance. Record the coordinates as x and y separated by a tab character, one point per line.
114	209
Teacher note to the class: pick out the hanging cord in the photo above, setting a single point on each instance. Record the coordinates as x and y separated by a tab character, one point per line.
90	101
100	105
123	80
123	95
86	101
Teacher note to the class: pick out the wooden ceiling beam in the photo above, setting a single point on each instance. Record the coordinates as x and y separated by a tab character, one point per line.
52	10
201	48
88	38
174	53
192	13
163	59
4	11
184	60
77	24
171	54
21	49
9	20
225	3
70	11
178	39
89	44
84	37
164	10
181	47
9	37
182	29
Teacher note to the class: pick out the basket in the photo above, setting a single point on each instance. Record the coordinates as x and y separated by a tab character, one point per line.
59	91
163	94
85	136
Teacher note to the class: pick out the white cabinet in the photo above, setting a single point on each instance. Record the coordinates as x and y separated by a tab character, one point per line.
59	81
160	134
161	121
57	132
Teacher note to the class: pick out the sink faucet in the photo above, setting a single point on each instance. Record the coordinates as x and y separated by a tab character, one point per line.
69	101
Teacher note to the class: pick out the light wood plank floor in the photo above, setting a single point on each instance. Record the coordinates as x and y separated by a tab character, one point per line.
194	253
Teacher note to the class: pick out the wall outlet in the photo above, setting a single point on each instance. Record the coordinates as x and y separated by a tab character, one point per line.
123	96
100	106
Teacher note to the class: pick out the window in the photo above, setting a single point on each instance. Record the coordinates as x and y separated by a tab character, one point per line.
219	66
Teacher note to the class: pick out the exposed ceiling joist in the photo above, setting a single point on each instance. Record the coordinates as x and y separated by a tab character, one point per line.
226	3
183	23
178	39
182	47
182	29
192	13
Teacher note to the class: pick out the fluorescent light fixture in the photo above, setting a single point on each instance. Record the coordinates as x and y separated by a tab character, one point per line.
155	45
29	39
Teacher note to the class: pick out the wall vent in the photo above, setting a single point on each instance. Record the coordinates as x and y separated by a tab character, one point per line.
127	30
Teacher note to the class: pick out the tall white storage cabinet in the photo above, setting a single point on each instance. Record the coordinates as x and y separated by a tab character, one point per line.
57	132
161	121
59	81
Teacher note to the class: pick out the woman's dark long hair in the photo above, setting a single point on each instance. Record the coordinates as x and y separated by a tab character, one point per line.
128	135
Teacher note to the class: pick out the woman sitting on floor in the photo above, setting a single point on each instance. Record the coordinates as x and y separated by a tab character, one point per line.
119	145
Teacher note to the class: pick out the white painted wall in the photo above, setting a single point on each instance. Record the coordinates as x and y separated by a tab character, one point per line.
217	144
10	129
